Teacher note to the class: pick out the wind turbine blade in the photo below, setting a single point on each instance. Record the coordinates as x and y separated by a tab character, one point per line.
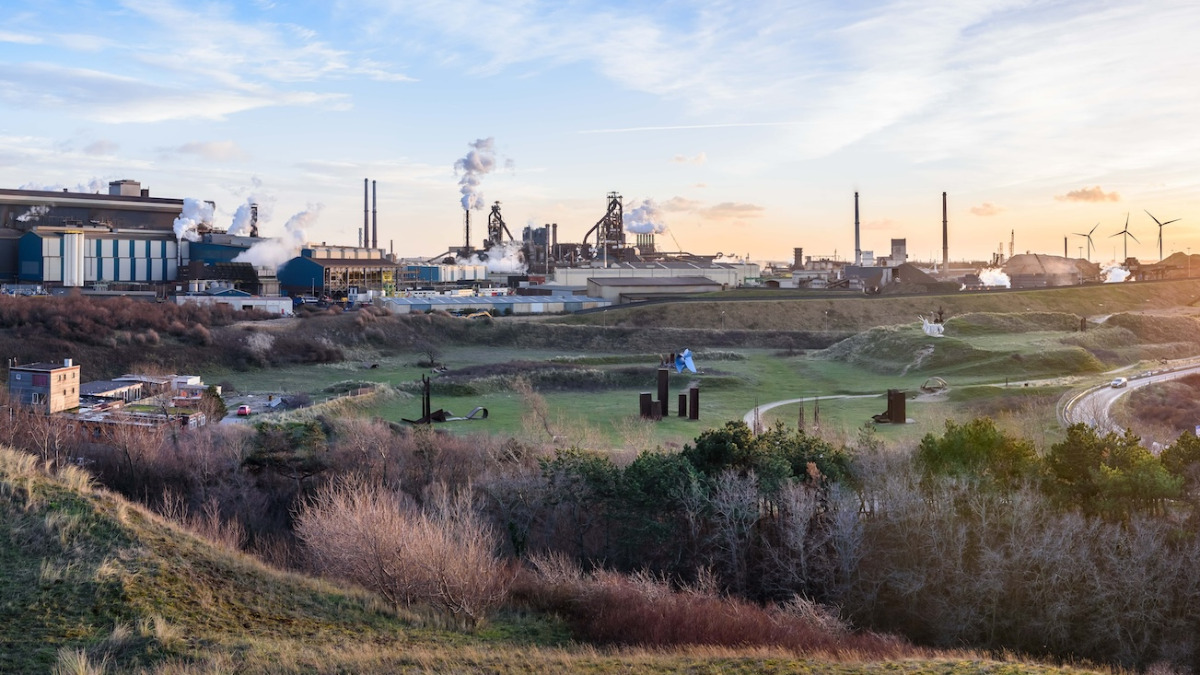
1170	221
1094	228
1153	218
1132	237
1117	234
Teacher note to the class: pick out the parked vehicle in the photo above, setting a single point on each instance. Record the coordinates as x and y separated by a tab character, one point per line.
1119	382
243	410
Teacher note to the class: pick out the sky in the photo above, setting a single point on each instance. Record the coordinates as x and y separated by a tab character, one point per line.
749	126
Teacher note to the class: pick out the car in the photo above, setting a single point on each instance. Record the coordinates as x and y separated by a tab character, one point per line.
1119	382
243	410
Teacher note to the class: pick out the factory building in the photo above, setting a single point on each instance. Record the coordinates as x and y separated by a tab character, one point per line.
338	271
728	275
76	239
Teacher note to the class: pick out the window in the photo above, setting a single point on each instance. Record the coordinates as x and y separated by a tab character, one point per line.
41	380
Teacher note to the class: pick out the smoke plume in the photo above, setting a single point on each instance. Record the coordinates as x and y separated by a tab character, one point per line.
34	213
93	186
504	258
478	163
195	212
1114	274
993	276
645	218
240	227
275	252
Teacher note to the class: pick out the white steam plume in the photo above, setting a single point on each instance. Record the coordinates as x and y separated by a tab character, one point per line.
504	258
275	252
1114	274
993	276
34	213
93	186
195	212
240	227
645	218
478	163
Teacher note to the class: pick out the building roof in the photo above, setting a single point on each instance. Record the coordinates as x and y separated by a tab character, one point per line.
101	387
353	262
652	281
42	367
10	196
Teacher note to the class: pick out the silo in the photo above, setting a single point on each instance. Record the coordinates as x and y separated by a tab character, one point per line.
72	259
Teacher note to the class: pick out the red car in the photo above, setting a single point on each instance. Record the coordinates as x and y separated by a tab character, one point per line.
243	410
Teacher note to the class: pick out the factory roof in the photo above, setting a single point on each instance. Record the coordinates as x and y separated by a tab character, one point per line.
451	300
652	281
47	367
352	262
10	196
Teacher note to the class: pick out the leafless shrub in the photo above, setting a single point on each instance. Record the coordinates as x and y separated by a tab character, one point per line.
442	556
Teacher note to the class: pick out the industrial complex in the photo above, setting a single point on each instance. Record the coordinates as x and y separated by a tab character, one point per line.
128	242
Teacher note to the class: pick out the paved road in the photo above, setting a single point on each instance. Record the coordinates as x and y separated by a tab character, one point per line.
759	410
1094	406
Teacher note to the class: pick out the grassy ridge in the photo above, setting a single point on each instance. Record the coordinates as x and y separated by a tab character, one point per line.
842	313
91	576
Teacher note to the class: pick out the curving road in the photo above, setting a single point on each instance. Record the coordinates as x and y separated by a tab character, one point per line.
759	410
1094	406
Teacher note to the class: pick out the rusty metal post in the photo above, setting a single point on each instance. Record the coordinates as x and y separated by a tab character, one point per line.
694	403
656	412
663	375
683	405
644	403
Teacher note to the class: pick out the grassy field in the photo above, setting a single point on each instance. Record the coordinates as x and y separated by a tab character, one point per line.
95	584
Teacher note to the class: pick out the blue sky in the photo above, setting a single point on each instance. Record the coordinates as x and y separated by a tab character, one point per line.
749	124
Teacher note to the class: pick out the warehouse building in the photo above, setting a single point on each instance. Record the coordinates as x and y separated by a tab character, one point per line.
338	271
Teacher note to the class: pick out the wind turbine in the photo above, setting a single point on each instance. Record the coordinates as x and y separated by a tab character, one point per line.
1127	234
1160	227
1088	236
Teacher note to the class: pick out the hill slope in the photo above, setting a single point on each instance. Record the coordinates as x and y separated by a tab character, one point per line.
86	572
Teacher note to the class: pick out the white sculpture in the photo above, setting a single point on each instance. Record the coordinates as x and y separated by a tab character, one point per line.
931	329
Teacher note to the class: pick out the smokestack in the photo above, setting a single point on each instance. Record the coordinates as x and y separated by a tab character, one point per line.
374	219
1065	248
254	220
467	211
554	236
857	246
945	239
360	238
366	205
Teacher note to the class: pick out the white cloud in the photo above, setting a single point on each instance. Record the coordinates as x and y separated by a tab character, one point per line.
214	150
986	209
100	147
19	38
699	158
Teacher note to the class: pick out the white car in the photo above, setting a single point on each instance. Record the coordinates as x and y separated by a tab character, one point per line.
1119	382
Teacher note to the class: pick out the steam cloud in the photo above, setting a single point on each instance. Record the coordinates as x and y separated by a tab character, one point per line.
240	227
1092	194
478	163
645	218
986	209
34	213
504	258
994	276
93	186
195	212
1114	274
275	252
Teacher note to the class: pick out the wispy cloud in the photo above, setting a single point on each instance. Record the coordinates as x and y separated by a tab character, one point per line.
212	150
19	38
100	148
698	158
986	209
1092	194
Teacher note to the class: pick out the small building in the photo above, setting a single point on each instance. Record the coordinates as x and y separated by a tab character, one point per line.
630	289
337	276
111	389
53	387
238	300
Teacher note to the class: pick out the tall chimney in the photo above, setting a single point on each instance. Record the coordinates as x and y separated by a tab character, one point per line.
374	219
857	246
1065	248
554	236
366	215
945	239
467	211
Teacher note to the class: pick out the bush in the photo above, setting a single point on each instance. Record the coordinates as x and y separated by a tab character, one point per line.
442	556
